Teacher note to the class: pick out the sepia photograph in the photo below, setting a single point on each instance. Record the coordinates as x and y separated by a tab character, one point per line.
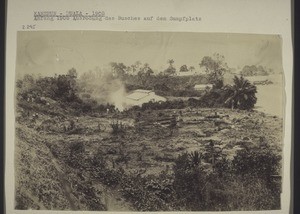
148	121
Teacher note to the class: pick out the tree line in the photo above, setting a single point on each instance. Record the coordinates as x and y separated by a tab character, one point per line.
91	91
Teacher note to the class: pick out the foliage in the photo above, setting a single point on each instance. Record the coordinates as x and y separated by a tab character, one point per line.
254	70
66	86
76	148
150	193
100	83
241	94
189	182
146	70
118	127
260	162
75	157
195	158
244	184
119	69
171	62
72	73
191	68
215	67
212	153
170	71
51	95
250	194
212	98
183	68
218	84
174	104
61	87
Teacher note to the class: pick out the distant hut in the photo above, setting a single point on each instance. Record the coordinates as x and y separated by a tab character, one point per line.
139	97
203	87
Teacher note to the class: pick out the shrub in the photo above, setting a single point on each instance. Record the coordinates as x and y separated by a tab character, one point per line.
76	157
244	184
118	127
150	193
76	148
249	194
189	181
256	169
262	163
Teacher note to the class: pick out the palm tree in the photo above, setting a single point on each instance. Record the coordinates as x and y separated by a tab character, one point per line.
241	95
195	158
171	61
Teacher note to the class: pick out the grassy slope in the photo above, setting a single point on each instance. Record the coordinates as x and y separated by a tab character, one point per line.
37	178
42	180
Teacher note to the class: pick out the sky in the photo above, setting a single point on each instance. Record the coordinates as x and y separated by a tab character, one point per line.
55	52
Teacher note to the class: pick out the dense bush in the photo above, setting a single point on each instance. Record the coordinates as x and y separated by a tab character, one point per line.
189	181
242	184
246	183
259	162
76	157
241	95
60	91
150	193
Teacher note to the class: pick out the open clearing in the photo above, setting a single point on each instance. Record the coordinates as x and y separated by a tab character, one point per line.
147	147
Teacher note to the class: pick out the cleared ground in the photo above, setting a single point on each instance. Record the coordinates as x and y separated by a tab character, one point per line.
145	145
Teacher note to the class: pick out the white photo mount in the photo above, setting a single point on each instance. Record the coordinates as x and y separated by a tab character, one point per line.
29	21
